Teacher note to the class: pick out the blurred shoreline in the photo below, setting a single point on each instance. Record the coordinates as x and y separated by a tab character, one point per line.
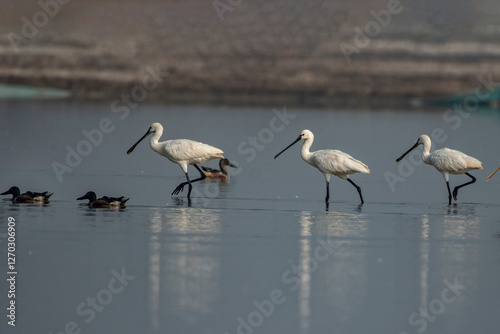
248	58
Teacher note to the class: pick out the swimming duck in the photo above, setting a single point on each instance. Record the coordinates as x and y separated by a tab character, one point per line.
39	197
218	174
27	197
104	202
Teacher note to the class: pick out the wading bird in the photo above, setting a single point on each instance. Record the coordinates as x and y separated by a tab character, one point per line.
496	170
330	162
103	202
27	197
183	152
218	174
447	161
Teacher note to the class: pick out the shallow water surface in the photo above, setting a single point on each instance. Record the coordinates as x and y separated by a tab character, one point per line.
257	253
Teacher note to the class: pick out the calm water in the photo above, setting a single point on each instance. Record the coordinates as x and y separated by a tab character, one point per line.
258	253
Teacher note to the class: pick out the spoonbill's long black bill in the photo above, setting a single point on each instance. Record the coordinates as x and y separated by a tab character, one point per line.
296	140
133	147
411	149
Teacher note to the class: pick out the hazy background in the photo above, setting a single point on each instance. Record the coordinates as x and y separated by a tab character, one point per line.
260	52
199	267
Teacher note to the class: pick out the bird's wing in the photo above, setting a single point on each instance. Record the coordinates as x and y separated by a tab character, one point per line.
453	161
190	151
338	162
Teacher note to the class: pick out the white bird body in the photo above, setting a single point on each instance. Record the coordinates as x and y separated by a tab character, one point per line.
451	161
446	161
183	152
330	162
333	162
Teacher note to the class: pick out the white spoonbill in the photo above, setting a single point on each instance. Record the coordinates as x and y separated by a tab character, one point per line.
496	170
182	152
329	162
447	161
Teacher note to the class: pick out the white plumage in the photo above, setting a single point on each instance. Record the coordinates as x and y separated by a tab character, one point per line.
330	162
183	152
447	161
333	162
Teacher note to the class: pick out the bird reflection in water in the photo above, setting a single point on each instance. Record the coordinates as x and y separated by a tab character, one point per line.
184	272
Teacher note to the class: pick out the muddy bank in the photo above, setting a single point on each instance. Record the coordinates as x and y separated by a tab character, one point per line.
259	53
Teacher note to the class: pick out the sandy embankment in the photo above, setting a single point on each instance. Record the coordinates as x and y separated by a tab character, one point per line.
100	50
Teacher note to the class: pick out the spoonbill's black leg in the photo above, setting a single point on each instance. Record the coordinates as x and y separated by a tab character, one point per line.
357	188
327	191
455	191
449	192
180	187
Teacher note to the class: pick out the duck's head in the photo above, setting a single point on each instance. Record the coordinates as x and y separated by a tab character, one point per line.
224	162
90	195
14	191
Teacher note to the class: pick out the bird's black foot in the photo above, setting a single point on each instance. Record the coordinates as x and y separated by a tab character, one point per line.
179	188
455	194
